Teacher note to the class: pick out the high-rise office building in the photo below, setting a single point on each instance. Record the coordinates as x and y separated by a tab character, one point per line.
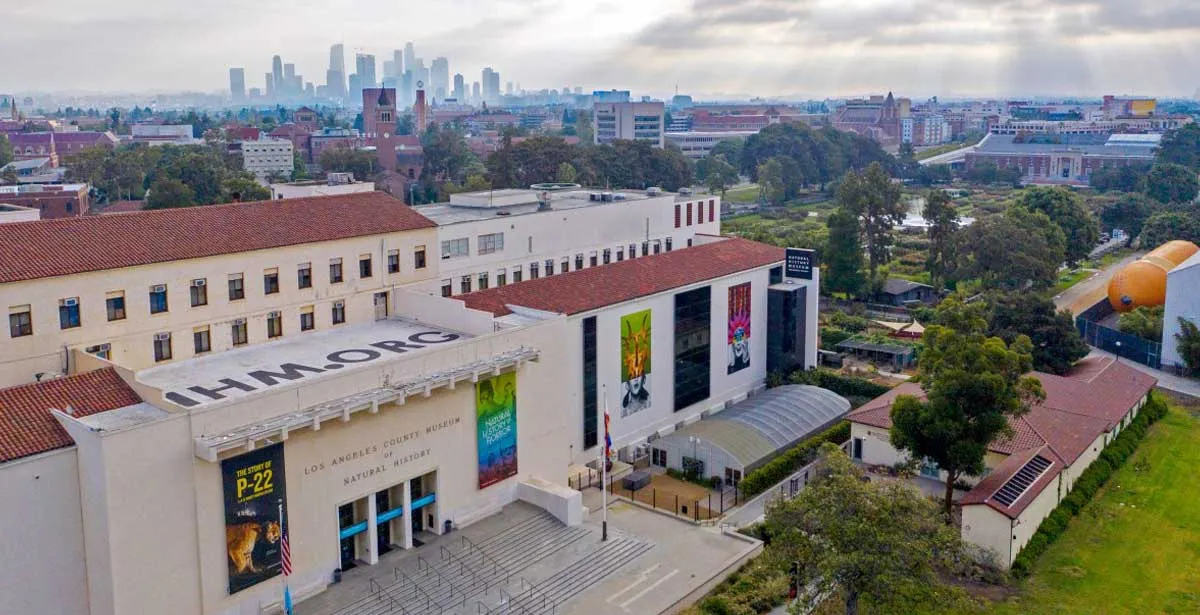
439	78
406	88
460	88
410	57
270	83
476	96
276	75
508	89
491	85
364	64
641	121
389	69
237	84
398	63
335	77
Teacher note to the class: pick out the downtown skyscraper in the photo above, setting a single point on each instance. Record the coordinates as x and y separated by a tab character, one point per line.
335	77
439	78
237	84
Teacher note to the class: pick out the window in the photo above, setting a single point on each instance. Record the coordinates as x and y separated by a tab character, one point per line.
201	339
237	287
419	257
274	325
689	242
335	271
633	250
565	265
668	244
590	418
304	275
578	262
645	248
533	271
607	255
549	267
20	321
657	246
307	321
501	277
199	292
364	266
158	299
454	248
658	457
594	258
162	346
447	288
270	281
712	206
689	214
115	305
677	214
492	242
620	254
104	351
393	261
700	212
516	274
239	333
693	326
465	284
68	313
483	281
339	313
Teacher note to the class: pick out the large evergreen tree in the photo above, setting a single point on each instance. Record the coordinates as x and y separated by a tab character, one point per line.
1067	210
1056	342
943	233
875	199
844	254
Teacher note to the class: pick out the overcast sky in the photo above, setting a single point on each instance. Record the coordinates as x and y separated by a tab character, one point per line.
709	48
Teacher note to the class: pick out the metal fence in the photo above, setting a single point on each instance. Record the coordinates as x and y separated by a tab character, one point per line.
695	509
1123	345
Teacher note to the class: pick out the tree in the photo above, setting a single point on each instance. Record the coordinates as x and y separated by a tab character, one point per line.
566	173
6	152
299	168
943	233
874	544
1144	321
1124	178
167	193
974	385
1129	213
770	181
406	124
875	199
1056	342
446	154
1167	225
1189	344
1016	250
1181	147
844	254
345	160
1172	183
245	188
716	173
1067	210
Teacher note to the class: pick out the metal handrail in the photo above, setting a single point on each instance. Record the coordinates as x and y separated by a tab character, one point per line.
442	579
380	591
534	588
429	601
462	565
496	566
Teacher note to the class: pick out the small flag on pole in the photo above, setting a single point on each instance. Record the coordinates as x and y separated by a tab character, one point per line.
607	436
286	558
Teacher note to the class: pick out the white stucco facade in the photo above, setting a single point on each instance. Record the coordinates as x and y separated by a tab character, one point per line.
1183	301
268	156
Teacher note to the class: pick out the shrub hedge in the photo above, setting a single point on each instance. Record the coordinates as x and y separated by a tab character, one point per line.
793	459
845	386
1089	483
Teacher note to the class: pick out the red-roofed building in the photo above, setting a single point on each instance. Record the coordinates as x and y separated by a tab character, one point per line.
1050	446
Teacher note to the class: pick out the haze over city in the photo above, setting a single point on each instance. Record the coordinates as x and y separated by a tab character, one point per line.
709	48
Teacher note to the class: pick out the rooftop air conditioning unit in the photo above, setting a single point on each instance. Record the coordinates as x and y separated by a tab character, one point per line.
198	282
162	337
158	288
607	197
619	196
685	191
72	302
593	196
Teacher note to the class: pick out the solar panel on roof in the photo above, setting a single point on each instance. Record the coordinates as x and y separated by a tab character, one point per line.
1015	487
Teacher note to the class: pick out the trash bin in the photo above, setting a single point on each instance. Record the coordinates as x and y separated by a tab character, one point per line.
337	575
446	526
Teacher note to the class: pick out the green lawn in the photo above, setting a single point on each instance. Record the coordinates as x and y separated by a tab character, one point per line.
1071	278
1136	548
744	194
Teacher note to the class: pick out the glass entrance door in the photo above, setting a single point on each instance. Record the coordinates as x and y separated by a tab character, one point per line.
346	522
384	529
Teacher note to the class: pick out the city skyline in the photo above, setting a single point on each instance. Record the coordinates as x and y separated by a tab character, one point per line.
804	47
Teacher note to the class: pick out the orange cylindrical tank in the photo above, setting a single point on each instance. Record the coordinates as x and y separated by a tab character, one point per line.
1144	282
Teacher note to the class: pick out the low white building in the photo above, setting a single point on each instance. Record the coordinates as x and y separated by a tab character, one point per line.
500	237
16	213
333	185
1028	474
1183	301
697	145
267	156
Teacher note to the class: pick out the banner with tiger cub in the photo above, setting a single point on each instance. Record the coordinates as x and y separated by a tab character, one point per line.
254	495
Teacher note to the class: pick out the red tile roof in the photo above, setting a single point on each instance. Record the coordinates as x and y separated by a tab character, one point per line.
589	289
47	248
28	428
985	489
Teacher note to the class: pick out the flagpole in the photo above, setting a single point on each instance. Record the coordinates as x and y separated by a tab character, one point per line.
286	561
604	471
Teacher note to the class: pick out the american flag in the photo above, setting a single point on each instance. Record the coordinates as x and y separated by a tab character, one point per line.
287	551
286	556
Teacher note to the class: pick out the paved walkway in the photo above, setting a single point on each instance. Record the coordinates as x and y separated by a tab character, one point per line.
1170	382
1086	293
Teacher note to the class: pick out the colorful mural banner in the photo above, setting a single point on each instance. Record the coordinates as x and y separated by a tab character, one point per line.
739	327
635	362
254	498
496	428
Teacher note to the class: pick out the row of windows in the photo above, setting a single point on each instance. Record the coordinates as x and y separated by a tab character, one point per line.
238	333
484	244
483	280
712	213
20	318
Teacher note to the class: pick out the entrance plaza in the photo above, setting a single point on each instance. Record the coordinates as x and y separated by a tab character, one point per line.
522	560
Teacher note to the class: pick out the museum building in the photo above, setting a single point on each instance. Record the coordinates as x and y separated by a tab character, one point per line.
424	416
